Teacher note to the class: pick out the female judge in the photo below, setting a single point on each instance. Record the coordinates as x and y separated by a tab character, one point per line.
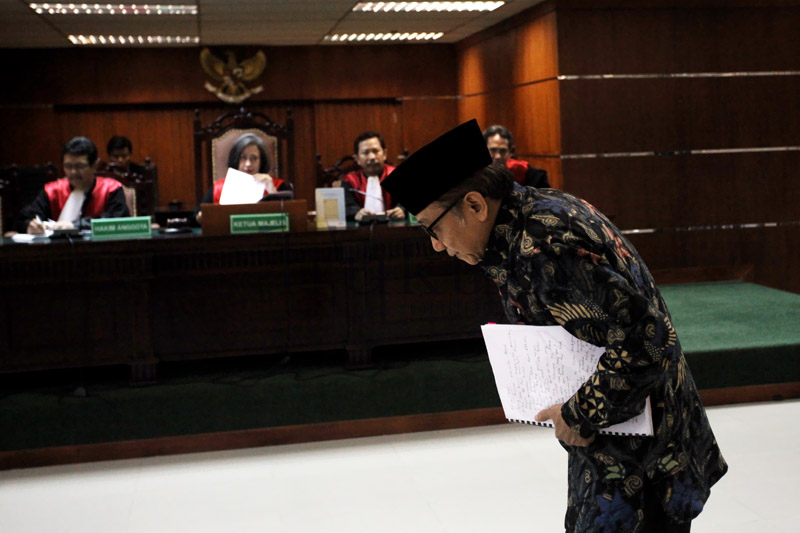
249	155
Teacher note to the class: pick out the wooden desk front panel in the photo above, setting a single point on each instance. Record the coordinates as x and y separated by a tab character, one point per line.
142	301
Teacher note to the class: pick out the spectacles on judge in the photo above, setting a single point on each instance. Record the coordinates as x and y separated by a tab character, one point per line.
429	229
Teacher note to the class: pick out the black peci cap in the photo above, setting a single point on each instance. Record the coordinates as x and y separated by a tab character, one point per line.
438	166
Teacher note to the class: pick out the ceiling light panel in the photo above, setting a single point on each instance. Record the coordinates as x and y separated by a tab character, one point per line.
134	40
115	9
419	7
363	38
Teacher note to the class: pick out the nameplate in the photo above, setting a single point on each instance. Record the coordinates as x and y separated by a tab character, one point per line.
121	228
259	223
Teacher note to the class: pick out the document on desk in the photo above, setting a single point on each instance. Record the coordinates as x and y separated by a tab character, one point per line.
536	367
241	188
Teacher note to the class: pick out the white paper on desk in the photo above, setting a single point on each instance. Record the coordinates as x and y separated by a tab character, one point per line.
241	188
536	367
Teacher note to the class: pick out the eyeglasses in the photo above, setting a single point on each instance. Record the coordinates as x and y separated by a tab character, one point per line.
429	229
80	167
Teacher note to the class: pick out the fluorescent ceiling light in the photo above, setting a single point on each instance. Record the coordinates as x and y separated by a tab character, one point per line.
128	40
407	7
389	36
114	9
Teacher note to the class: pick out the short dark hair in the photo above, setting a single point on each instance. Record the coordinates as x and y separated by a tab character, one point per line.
243	142
492	181
368	135
502	131
118	142
81	146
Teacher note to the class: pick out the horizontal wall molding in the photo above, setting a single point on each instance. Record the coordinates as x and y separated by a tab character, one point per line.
679	75
667	153
712	227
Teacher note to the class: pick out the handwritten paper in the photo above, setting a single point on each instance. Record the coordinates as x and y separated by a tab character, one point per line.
536	367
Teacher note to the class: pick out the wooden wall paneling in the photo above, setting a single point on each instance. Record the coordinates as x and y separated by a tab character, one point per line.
627	115
305	148
337	124
492	67
174	75
424	119
526	52
689	190
36	75
371	71
771	251
638	38
470	107
30	136
471	72
536	55
535	121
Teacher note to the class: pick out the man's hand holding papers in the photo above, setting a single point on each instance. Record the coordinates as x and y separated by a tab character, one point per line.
564	433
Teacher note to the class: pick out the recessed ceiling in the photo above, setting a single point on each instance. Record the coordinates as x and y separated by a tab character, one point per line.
242	22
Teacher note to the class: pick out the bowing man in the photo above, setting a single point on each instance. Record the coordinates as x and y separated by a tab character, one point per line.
72	201
557	261
363	185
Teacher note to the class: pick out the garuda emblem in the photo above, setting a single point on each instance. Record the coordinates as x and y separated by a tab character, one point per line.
233	75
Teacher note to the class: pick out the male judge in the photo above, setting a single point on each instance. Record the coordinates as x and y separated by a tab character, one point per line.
119	150
71	201
363	185
557	261
500	143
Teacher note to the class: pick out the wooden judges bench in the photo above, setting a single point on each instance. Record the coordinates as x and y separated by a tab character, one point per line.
186	297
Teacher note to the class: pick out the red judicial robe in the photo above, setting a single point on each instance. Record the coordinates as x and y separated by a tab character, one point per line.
525	174
358	181
95	204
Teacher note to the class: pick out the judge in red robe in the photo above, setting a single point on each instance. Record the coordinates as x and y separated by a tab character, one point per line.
501	147
103	197
370	154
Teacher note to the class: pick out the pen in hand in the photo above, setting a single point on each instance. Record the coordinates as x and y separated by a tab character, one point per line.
36	226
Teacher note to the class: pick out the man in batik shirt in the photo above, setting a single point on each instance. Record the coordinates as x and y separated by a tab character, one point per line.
558	261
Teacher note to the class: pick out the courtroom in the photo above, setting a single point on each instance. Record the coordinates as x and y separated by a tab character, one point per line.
468	266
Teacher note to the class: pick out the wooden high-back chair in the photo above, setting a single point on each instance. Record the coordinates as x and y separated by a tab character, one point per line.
332	176
141	187
19	187
212	145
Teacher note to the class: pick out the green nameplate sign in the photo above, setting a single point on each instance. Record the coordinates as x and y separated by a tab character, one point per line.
121	228
259	222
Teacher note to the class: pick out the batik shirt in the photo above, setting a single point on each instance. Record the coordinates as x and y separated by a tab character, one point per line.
558	261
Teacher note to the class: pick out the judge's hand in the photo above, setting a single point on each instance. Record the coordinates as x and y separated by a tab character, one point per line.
361	212
35	227
396	214
564	433
266	179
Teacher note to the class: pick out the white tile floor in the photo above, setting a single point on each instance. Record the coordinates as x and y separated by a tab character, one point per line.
503	478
